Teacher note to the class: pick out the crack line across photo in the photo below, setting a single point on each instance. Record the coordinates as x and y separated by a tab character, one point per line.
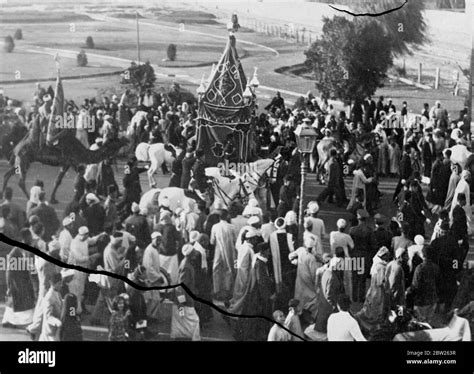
388	11
59	263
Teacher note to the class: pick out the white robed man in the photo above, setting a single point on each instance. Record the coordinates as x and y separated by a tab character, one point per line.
243	279
153	276
45	271
317	224
252	222
306	284
342	326
65	238
114	262
223	237
184	319
463	187
52	309
79	255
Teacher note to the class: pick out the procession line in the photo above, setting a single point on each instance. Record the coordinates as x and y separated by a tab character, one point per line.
124	279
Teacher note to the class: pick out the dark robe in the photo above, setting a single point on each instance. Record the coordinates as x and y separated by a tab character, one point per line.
448	255
203	287
383	238
20	294
177	170
137	225
95	218
259	299
331	286
364	247
105	178
187	166
459	231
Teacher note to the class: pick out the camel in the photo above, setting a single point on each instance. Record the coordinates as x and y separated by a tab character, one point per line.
69	153
11	132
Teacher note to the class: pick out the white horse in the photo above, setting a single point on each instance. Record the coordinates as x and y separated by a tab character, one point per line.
156	154
226	189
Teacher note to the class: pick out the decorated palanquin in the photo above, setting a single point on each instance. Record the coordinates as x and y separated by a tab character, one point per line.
225	116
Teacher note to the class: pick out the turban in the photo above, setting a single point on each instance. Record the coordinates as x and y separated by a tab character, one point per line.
187	249
313	207
382	251
341	223
135	208
419	240
91	197
155	234
83	230
193	236
67	221
253	220
251	233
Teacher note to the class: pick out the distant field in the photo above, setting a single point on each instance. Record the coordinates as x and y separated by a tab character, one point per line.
46	17
186	17
18	65
121	42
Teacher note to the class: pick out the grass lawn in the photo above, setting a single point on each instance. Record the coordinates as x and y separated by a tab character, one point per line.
117	39
18	65
121	42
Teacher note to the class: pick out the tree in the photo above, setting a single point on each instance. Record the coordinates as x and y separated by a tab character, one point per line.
18	34
81	58
8	44
90	42
405	27
171	52
139	77
351	58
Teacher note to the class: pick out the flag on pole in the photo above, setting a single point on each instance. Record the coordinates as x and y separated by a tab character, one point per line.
56	121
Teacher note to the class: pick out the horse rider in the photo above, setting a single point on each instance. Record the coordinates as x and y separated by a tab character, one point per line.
199	180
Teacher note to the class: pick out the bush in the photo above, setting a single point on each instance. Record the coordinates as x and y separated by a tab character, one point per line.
90	42
139	78
8	44
18	34
82	58
401	71
171	52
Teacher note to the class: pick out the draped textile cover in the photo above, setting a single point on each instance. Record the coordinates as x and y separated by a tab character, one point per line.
223	110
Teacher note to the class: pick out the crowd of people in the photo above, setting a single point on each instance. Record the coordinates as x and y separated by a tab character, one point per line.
252	258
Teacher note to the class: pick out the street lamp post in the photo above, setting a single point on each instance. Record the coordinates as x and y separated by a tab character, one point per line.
305	140
138	38
470	17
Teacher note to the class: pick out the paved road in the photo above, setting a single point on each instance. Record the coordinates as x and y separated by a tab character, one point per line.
217	329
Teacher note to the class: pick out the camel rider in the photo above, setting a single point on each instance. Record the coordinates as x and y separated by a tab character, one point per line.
198	173
44	111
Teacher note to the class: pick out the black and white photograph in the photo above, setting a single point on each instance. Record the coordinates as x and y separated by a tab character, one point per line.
194	174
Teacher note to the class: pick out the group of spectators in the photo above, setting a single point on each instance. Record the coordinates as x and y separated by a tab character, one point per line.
248	259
